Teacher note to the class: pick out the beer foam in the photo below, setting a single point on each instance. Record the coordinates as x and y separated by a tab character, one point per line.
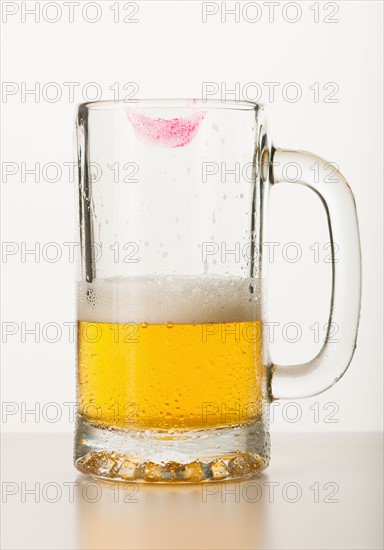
169	299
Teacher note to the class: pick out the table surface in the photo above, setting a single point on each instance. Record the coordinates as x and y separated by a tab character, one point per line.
321	491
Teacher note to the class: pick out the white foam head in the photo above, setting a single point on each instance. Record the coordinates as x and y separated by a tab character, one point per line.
175	299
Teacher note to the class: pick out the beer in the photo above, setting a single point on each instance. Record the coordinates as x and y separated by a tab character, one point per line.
172	353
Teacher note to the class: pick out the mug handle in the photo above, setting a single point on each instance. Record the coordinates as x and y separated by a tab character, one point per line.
328	366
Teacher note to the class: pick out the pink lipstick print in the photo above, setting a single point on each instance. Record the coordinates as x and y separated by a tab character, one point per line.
174	132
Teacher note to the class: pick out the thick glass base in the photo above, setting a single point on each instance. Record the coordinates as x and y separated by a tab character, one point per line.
147	456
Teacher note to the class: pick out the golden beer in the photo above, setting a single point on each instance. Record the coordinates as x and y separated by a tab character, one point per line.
170	376
187	356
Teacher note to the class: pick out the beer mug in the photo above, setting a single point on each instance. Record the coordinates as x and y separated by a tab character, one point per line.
174	377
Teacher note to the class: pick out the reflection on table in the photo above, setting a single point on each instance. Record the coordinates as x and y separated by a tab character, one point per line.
209	515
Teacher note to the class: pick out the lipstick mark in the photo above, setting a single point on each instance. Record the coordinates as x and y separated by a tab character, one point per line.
174	132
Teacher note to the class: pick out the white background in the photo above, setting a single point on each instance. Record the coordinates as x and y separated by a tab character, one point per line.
170	52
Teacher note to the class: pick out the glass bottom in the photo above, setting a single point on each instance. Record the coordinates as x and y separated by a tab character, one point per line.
148	456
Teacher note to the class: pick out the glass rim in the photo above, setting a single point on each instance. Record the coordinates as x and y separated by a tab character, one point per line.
169	103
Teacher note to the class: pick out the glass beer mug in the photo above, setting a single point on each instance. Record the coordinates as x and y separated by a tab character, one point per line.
174	378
